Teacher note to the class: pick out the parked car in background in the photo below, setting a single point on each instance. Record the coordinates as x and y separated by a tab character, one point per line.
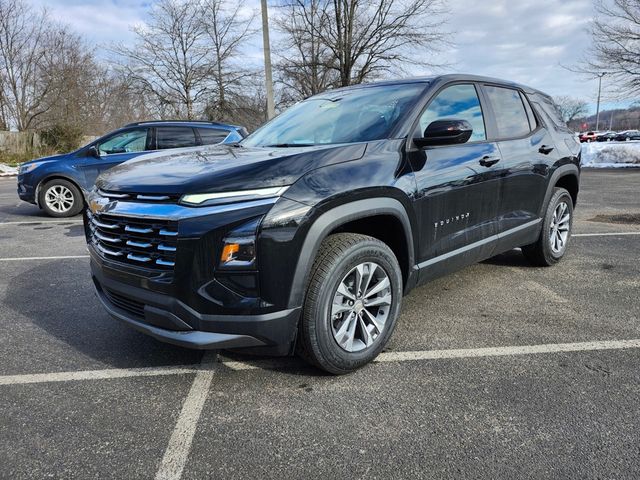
588	137
628	135
605	136
59	184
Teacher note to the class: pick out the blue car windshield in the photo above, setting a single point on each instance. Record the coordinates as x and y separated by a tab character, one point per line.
347	116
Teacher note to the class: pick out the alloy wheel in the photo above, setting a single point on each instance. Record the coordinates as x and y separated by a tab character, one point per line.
59	198
361	307
559	229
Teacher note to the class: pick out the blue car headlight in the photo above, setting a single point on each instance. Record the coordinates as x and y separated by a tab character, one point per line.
29	167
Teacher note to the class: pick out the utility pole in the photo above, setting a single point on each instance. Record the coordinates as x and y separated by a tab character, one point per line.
271	111
600	75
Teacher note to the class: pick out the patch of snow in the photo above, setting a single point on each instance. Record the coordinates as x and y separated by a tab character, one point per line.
611	154
7	171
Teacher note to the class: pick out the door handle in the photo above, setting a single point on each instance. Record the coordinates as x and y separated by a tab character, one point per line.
545	150
488	161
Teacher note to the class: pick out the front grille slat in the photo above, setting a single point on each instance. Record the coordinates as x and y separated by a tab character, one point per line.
140	197
135	243
142	242
129	228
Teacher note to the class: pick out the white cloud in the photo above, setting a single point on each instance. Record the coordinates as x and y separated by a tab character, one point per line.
522	40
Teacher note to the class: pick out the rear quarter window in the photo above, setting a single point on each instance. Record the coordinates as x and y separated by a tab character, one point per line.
551	111
211	136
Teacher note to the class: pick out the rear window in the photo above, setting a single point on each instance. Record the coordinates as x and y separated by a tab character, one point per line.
511	117
175	137
210	136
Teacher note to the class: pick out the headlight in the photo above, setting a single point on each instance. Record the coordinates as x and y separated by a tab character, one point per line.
201	199
28	168
239	246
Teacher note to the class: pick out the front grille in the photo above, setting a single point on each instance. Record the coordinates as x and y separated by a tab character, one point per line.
132	306
136	241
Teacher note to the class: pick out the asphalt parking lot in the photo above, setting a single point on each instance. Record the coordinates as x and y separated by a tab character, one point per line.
499	370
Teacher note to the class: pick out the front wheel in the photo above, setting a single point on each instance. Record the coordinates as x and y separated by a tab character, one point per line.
556	231
60	198
352	303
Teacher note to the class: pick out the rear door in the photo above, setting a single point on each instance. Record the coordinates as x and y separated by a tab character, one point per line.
457	186
175	137
526	147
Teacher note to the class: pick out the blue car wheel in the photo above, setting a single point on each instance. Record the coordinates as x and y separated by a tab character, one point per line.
60	198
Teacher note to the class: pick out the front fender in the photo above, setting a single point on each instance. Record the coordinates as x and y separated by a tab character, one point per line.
291	247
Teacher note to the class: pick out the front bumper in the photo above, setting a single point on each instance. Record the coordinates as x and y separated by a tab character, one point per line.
26	191
170	320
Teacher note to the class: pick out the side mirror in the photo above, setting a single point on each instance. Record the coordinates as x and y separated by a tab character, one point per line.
93	152
445	132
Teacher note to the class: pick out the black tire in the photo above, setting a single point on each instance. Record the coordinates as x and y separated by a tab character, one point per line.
541	253
338	255
77	200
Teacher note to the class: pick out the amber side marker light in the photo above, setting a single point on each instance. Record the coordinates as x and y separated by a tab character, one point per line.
229	251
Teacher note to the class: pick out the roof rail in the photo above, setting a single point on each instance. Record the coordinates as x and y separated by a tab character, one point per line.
147	122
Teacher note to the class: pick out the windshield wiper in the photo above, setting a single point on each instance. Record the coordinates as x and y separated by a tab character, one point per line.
289	145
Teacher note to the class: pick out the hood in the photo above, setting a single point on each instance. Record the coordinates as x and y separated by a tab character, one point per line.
51	158
223	168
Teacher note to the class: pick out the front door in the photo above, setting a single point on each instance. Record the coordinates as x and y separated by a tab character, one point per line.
457	187
114	150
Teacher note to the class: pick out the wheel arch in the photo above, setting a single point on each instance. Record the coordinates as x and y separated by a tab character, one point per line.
357	217
58	176
565	176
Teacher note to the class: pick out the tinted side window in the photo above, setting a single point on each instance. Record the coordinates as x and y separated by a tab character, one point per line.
175	137
209	136
458	102
511	117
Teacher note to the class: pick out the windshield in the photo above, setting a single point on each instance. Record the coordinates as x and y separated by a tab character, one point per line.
358	115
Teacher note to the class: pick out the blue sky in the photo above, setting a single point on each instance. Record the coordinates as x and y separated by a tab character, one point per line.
522	40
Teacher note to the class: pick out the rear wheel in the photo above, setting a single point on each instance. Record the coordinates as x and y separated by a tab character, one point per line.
60	198
352	303
556	231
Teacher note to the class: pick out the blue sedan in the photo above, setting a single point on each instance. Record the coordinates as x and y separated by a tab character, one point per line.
59	184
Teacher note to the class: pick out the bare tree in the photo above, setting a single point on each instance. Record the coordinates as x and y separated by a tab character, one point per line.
305	64
228	31
368	39
571	108
616	36
171	59
25	36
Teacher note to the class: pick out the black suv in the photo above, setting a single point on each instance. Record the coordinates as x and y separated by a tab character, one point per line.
306	235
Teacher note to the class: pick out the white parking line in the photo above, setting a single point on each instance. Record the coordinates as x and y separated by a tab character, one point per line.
93	375
464	353
62	223
206	365
177	452
23	259
607	234
504	351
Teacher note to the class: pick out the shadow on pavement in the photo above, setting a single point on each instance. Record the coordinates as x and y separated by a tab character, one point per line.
58	297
